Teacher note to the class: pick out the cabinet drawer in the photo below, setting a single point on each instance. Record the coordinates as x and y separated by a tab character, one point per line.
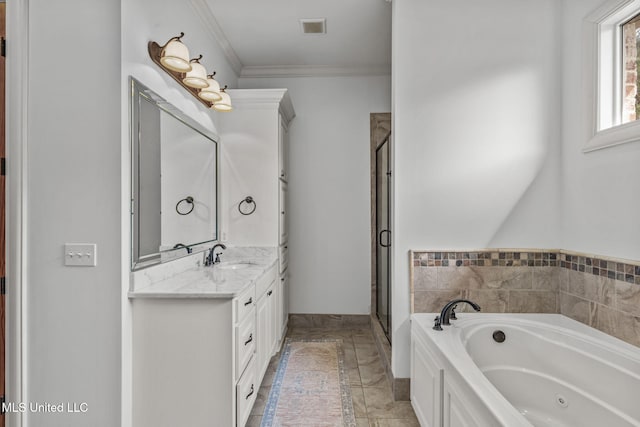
283	258
265	281
244	303
246	392
245	342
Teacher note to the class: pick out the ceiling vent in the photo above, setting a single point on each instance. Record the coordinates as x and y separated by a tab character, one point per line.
314	26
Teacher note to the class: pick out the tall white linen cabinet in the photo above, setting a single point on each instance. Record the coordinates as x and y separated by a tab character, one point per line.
255	144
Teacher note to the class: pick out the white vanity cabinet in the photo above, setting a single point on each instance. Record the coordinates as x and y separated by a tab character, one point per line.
255	162
194	360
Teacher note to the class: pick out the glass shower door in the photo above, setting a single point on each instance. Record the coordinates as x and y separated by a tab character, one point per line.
383	233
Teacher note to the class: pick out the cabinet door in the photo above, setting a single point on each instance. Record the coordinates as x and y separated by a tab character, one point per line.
263	327
278	312
462	407
283	258
284	299
282	307
284	236
455	411
283	149
266	326
426	384
273	296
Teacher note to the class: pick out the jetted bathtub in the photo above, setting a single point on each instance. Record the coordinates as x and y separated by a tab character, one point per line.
517	370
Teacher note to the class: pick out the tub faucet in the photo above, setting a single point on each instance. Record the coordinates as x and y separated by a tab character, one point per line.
212	257
448	311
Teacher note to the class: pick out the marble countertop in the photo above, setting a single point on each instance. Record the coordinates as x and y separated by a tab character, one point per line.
190	279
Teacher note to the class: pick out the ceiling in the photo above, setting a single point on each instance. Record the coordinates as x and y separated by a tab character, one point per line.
264	37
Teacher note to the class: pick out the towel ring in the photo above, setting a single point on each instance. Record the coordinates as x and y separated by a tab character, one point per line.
248	200
188	200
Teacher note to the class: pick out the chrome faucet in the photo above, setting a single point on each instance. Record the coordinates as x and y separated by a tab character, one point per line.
213	258
448	312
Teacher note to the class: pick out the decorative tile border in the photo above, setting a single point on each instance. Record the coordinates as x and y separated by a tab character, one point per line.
490	258
612	269
626	271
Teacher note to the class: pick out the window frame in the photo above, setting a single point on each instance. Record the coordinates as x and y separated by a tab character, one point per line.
603	66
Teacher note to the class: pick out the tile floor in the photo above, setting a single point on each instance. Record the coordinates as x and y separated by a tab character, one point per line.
370	390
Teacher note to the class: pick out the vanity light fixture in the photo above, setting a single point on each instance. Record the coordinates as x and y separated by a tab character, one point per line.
212	92
197	77
224	105
175	55
173	58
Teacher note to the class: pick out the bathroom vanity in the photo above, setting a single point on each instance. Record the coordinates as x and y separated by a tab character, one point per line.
203	338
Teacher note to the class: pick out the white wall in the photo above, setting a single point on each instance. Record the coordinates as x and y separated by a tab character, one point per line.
476	127
329	198
600	202
72	314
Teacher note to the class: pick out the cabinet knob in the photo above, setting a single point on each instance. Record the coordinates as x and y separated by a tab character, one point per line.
249	340
250	392
249	301
269	293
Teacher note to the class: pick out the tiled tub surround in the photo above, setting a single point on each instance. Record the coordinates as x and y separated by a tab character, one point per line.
598	291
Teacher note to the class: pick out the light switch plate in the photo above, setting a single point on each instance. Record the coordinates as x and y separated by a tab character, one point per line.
81	254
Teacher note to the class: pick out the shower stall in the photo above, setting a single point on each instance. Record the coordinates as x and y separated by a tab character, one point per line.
381	235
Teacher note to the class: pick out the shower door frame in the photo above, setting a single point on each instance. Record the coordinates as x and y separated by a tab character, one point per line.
380	132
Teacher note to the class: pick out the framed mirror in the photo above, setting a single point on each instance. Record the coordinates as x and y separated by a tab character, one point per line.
174	181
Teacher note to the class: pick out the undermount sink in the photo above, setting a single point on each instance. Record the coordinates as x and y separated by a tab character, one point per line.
234	265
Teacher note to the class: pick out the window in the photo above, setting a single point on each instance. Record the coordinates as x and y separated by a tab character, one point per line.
629	70
612	64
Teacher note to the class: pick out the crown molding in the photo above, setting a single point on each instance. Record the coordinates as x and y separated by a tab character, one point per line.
264	98
211	24
314	71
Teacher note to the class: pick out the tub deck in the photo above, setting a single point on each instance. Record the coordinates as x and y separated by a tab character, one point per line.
549	371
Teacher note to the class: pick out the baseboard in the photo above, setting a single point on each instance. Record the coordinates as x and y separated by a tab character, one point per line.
329	320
